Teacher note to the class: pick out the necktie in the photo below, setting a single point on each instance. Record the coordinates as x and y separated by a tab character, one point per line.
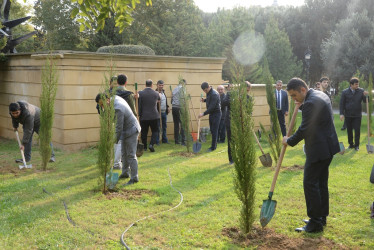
278	100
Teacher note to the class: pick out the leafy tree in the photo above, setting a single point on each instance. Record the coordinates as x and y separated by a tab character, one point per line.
243	151
47	103
282	62
53	19
94	13
350	47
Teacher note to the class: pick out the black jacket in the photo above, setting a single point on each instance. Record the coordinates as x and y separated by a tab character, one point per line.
148	104
29	118
350	104
317	128
213	102
223	107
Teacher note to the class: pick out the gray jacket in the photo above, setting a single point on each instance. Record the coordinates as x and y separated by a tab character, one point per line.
29	118
126	124
175	102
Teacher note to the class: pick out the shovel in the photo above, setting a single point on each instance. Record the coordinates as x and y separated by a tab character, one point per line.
269	205
23	155
369	147
140	146
197	145
265	159
111	179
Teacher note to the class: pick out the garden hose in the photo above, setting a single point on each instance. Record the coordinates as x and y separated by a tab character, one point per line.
67	212
152	215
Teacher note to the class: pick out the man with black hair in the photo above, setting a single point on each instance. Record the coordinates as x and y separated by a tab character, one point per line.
351	110
213	105
127	131
321	144
176	112
164	112
28	115
148	114
127	95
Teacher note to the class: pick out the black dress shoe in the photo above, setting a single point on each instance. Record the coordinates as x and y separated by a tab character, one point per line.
351	146
357	148
210	149
323	221
132	181
311	227
343	128
124	176
151	148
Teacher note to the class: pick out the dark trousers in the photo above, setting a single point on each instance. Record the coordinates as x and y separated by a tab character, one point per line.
144	133
353	123
178	129
316	189
164	126
214	120
222	131
28	146
282	122
228	131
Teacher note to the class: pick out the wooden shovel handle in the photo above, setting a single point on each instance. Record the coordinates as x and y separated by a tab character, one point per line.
283	151
367	114
22	153
258	143
198	123
194	113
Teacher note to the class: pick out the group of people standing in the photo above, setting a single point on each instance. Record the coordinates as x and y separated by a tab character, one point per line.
317	128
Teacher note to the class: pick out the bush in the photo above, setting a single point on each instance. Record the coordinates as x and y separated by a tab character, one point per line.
127	49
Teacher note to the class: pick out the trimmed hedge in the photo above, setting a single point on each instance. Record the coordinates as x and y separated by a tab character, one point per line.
127	49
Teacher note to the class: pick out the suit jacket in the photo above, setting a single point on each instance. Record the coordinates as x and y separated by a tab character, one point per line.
126	122
148	105
350	104
317	128
284	100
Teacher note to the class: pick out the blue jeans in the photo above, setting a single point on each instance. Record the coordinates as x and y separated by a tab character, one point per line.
28	146
214	120
164	126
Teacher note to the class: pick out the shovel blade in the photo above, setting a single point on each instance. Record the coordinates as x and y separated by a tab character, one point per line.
370	148
111	180
267	211
266	160
25	166
196	147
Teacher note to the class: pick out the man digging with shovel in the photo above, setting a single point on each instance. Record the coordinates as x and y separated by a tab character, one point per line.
321	144
29	116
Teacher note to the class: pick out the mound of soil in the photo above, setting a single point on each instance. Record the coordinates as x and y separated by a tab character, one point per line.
266	238
183	154
128	194
6	169
293	168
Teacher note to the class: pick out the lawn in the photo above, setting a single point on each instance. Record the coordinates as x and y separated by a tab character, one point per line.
207	217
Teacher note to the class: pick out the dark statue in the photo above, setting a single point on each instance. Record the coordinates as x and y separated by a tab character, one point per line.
7	25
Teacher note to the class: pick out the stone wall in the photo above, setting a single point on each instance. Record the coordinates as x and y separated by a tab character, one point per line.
81	75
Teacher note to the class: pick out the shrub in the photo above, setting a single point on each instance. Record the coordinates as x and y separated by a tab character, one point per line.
127	49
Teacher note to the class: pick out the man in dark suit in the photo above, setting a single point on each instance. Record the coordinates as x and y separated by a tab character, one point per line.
350	109
321	144
281	101
148	114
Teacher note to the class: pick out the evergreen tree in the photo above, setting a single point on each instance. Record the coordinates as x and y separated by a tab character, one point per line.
282	62
184	99
47	102
107	130
242	147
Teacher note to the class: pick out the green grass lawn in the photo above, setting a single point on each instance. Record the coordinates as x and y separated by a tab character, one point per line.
31	218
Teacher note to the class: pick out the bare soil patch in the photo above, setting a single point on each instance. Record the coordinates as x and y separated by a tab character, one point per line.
7	169
128	194
293	168
266	238
183	154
